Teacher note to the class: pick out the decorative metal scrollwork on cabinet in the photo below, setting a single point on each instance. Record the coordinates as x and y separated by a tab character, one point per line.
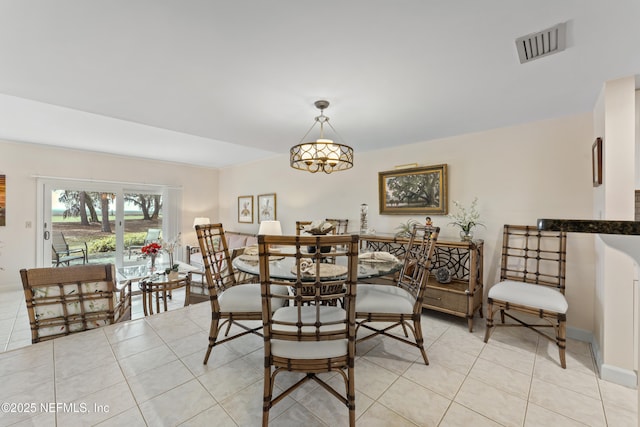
461	294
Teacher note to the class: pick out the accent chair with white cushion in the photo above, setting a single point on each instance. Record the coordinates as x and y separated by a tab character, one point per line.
532	283
232	301
401	303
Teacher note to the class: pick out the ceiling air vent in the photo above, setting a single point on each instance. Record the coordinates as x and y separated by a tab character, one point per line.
543	43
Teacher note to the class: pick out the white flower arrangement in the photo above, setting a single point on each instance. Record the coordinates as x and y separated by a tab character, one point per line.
465	218
171	245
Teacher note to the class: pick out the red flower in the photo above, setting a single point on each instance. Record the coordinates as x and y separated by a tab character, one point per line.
151	249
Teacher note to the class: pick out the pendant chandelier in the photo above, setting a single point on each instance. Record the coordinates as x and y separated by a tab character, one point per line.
322	154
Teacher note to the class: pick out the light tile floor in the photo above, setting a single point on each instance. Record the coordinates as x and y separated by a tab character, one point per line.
149	372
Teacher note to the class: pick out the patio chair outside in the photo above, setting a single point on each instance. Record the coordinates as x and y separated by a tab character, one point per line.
62	254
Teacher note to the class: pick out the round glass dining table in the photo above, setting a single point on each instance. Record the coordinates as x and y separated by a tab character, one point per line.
282	268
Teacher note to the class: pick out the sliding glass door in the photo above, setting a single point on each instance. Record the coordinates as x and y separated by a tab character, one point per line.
82	222
99	222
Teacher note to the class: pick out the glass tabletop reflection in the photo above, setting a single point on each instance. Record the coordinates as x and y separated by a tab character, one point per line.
281	267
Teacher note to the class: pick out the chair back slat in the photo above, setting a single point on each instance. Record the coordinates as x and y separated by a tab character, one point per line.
340	225
417	261
318	284
300	226
216	259
534	256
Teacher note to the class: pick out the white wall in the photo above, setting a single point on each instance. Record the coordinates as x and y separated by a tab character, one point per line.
615	122
519	174
20	162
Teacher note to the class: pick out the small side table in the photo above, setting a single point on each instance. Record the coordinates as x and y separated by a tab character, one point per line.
161	286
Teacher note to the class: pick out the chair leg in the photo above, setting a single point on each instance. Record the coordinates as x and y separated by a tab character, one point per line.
226	333
213	336
351	396
404	328
417	326
489	324
267	396
561	340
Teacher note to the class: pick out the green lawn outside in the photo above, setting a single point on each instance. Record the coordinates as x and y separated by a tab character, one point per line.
99	241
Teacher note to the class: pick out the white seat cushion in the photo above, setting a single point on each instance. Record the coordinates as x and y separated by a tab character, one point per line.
536	296
247	298
383	299
309	349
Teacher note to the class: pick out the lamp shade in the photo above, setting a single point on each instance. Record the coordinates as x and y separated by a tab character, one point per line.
201	220
272	228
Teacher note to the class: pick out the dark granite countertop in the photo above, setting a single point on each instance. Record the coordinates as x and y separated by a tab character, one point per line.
590	226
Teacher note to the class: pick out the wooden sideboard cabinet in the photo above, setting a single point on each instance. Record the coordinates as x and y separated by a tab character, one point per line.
462	296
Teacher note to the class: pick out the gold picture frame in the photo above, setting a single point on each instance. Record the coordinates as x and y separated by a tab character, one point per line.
414	191
245	209
267	209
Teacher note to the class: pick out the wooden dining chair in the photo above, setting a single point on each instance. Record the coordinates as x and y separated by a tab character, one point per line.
400	304
532	283
232	300
341	225
303	332
64	300
300	226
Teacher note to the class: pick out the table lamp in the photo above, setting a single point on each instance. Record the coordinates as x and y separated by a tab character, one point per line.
272	228
201	220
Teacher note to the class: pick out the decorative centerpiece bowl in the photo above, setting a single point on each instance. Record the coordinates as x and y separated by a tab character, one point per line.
319	228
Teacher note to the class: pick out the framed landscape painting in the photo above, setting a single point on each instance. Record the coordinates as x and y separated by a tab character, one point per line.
267	207
245	209
414	191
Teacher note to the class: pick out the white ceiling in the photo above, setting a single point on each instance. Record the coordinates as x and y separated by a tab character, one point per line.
218	82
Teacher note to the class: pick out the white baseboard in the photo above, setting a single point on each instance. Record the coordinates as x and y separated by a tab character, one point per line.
617	375
580	335
614	374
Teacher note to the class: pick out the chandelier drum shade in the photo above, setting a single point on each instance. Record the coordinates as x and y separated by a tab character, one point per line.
322	154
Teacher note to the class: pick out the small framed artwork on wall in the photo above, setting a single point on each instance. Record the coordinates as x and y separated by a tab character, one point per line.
596	162
267	207
245	209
